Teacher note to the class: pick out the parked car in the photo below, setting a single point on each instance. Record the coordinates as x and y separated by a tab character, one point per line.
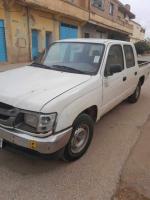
52	105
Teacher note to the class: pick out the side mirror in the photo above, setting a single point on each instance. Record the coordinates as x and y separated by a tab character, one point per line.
115	69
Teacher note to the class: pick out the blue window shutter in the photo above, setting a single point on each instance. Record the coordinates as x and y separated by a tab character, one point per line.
3	49
35	43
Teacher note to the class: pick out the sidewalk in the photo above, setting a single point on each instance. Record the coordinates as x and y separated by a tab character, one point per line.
11	66
135	178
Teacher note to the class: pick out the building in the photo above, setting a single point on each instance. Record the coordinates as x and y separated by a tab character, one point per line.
27	27
138	32
109	19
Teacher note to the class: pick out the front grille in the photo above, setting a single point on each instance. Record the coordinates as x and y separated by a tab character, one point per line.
8	114
11	117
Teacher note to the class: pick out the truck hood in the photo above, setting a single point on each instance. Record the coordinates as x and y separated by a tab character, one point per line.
30	88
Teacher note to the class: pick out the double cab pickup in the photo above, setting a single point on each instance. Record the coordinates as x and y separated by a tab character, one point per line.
52	105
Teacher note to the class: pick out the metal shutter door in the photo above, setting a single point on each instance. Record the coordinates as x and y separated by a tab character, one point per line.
63	32
67	31
73	32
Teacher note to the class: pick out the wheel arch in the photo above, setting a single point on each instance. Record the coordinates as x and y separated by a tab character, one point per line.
92	111
142	79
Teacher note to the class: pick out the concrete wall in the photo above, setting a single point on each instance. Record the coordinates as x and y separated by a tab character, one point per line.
19	34
84	4
2	15
61	7
138	32
43	22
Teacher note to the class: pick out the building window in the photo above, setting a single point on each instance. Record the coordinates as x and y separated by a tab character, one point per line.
98	4
111	9
86	35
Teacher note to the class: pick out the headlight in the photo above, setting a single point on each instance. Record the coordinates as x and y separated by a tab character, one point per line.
42	123
47	122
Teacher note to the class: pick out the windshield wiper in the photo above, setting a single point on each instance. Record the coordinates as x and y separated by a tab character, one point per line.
35	64
58	67
67	69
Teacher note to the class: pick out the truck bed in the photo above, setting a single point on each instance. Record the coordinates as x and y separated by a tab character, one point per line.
143	63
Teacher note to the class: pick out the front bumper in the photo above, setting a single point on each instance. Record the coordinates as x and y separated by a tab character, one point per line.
47	145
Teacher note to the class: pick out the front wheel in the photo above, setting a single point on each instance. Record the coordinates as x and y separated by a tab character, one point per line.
81	138
135	96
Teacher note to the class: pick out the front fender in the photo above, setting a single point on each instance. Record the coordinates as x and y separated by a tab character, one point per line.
70	113
70	104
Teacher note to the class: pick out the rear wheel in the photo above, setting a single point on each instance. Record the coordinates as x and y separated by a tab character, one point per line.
81	138
135	96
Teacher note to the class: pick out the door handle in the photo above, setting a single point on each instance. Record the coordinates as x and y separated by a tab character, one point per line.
135	73
124	78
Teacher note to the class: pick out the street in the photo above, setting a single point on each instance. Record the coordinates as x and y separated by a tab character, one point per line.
94	176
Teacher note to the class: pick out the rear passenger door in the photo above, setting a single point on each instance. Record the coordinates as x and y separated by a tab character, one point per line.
114	85
131	68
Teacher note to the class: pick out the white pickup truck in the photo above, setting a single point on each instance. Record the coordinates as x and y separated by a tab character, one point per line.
52	105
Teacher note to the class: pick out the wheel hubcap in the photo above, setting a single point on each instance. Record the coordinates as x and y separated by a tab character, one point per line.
80	138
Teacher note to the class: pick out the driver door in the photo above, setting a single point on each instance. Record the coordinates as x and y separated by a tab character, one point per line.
114	85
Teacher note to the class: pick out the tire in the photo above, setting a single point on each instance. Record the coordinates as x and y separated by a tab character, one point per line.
136	95
81	138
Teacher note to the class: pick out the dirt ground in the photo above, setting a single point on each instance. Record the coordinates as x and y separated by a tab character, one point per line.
129	194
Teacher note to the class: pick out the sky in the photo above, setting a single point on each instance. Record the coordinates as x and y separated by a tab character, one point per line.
142	11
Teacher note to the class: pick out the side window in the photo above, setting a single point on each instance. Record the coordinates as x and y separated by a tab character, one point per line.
115	58
129	55
98	4
111	9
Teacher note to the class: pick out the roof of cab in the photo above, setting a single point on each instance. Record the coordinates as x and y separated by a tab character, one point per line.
96	40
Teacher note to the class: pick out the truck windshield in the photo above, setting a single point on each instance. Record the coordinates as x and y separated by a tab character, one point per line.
74	57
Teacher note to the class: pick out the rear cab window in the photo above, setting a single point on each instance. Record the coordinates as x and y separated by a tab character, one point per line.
129	56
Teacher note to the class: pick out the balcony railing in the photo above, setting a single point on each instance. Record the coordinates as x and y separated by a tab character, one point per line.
113	24
125	23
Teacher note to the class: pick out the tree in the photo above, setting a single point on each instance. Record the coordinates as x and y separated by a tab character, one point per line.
142	47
